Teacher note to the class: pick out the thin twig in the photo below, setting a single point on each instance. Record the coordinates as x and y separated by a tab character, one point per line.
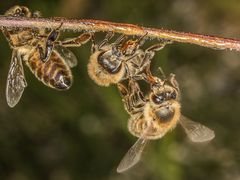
128	29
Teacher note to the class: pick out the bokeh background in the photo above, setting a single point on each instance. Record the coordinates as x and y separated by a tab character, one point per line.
82	133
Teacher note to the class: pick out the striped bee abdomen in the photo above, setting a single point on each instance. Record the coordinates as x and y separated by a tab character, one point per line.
54	73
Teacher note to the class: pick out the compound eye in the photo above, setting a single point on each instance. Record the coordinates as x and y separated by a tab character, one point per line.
18	11
158	99
173	95
142	56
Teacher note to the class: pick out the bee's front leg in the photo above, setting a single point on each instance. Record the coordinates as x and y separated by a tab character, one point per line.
75	42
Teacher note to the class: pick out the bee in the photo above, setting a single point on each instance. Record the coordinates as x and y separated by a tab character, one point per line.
152	116
47	58
111	63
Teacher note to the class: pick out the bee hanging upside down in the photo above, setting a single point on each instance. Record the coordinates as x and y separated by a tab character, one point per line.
112	63
151	117
48	59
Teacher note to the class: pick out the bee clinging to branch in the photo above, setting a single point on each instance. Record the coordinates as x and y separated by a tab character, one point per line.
48	59
111	63
152	116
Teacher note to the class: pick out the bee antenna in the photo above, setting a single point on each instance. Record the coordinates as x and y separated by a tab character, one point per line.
142	38
120	39
107	38
131	57
58	28
162	73
140	41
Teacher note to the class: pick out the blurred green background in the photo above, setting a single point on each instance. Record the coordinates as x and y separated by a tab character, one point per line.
82	133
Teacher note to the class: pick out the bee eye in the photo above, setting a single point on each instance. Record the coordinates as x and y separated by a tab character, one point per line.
158	99
173	95
18	10
142	56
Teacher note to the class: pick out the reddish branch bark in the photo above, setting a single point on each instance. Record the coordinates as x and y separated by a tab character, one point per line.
128	29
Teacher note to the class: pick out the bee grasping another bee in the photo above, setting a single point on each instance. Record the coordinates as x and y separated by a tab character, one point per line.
152	116
111	63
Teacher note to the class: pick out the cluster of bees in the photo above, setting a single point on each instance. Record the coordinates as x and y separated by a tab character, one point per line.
122	63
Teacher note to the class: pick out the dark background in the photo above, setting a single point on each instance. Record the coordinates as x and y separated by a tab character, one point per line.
82	133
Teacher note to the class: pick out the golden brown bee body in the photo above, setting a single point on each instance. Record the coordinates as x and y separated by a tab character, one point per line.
48	59
155	114
54	73
112	63
163	117
100	73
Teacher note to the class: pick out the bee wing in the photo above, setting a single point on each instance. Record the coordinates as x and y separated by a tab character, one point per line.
15	81
196	131
133	155
67	55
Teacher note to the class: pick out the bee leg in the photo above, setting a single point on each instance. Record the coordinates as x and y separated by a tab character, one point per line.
117	43
141	39
136	97
148	77
7	34
132	96
47	51
107	38
139	42
140	65
44	53
127	71
8	37
125	97
120	39
76	42
149	54
157	47
136	91
173	81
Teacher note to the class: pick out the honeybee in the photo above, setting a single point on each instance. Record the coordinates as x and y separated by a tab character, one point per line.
154	115
47	58
111	63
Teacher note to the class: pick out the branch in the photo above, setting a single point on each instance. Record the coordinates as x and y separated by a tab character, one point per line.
128	29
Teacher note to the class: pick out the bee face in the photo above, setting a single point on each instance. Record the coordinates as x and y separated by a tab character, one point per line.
163	110
159	113
19	11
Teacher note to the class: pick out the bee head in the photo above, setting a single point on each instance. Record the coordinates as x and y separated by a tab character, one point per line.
19	11
165	103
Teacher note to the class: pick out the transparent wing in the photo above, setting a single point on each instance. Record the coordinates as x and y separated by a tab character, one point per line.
133	155
67	55
15	81
196	131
